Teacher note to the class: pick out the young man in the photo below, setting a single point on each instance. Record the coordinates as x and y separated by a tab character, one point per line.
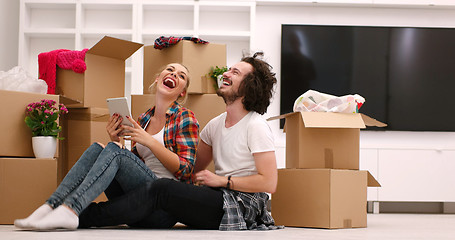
241	145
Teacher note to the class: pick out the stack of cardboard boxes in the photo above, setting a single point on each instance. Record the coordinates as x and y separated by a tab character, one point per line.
322	186
85	96
199	59
25	182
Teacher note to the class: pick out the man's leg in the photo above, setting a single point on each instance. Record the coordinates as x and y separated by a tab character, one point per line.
199	207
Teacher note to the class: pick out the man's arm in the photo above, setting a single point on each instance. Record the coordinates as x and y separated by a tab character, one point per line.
264	181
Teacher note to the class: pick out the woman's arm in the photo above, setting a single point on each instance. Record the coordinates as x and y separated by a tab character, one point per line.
264	181
185	133
203	156
186	143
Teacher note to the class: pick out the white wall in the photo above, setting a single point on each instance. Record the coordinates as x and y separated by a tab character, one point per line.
9	33
268	39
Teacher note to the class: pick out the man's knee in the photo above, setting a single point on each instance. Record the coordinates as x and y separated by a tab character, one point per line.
159	186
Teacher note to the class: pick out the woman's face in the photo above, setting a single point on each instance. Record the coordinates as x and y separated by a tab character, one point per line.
173	80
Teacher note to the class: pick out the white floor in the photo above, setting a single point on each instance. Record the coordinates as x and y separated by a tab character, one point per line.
380	227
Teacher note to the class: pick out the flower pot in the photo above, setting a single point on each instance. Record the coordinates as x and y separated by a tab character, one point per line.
44	146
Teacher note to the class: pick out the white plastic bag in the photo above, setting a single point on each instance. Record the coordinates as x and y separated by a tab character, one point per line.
17	79
314	101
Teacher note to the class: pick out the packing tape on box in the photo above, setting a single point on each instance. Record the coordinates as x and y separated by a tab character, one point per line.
347	223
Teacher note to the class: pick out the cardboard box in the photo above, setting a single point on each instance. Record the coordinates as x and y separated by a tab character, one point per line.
208	85
25	184
17	140
104	77
323	139
198	58
321	198
84	127
204	106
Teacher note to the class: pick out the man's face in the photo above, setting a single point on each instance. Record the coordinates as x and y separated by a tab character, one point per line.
229	88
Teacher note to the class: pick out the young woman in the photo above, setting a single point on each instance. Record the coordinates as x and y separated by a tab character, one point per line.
164	146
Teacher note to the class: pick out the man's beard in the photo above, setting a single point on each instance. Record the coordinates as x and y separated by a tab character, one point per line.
228	97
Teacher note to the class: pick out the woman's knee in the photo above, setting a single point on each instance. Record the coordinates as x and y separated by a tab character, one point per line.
100	144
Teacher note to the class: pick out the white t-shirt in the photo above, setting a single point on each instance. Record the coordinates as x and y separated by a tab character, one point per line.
151	161
233	147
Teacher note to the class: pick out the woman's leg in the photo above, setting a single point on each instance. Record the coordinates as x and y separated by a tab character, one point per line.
199	207
112	161
71	181
76	175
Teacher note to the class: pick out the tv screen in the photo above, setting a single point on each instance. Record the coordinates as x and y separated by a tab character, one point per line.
405	74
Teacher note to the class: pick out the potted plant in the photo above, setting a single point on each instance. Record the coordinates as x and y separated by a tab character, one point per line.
216	74
41	117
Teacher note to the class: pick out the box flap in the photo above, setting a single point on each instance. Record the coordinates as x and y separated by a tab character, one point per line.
369	121
372	182
328	119
114	48
332	120
280	116
68	101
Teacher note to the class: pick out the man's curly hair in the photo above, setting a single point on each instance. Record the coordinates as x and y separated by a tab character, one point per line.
257	87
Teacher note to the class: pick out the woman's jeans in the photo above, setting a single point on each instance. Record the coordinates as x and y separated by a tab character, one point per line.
94	172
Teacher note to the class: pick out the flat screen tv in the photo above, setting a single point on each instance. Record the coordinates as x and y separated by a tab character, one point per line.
406	74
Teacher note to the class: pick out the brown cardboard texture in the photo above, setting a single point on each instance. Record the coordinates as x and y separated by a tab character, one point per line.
198	58
208	84
104	77
324	140
84	127
25	184
204	106
321	198
17	140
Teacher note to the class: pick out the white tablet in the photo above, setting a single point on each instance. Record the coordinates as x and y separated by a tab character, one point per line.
120	106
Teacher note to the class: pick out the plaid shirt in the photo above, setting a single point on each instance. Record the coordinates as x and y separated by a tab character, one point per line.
244	211
180	136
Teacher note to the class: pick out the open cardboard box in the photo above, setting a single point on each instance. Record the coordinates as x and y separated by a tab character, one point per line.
324	139
104	77
17	140
198	58
25	184
322	198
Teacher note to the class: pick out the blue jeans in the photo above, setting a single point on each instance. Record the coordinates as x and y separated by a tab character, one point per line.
94	172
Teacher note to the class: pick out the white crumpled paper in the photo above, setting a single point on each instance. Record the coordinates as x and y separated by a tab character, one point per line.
17	79
314	101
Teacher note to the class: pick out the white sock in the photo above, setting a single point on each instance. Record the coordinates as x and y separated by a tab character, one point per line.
61	218
39	213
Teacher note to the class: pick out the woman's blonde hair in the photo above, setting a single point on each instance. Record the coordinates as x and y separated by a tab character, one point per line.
180	99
